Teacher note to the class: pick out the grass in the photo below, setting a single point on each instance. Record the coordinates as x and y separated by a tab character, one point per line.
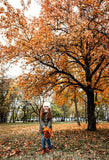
23	141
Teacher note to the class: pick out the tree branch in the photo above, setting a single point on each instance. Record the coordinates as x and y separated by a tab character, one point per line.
98	77
61	71
98	66
76	60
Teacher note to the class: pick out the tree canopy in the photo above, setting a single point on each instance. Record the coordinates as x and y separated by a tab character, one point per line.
67	45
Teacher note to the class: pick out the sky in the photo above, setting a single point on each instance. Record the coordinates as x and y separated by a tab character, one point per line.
34	10
14	70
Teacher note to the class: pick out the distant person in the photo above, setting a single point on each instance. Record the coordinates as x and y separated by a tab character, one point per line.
45	121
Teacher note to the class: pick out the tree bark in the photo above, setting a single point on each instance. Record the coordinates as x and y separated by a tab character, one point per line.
76	109
16	114
85	110
13	116
91	111
3	118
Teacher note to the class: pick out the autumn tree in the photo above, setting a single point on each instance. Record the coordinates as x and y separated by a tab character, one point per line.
75	46
67	46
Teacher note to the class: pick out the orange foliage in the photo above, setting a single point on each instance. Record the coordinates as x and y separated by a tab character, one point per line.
66	46
48	133
62	44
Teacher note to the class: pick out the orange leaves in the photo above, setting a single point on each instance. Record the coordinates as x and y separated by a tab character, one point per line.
104	96
59	41
13	152
30	143
23	3
60	99
1	10
48	133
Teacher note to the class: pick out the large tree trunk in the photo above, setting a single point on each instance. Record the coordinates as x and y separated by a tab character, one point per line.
91	111
85	109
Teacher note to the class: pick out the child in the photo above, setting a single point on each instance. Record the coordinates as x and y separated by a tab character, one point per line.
45	120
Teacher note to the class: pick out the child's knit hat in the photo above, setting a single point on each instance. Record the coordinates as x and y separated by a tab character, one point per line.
46	104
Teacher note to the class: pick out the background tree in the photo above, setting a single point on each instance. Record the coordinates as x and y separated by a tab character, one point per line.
56	110
66	97
28	107
66	111
13	98
14	110
102	101
4	106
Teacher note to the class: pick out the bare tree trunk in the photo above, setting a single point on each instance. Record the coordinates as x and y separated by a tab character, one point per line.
27	115
24	115
10	118
17	113
76	109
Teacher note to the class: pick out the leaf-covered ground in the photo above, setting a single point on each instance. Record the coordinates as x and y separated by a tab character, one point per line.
70	142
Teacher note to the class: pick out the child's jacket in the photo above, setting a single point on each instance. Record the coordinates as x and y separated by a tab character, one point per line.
45	123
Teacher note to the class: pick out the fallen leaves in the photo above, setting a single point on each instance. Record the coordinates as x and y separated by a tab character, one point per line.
69	140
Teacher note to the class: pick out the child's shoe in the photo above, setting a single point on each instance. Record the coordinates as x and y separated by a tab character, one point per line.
43	150
50	150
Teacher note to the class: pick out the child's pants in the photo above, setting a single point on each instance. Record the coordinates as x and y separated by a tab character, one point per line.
43	141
